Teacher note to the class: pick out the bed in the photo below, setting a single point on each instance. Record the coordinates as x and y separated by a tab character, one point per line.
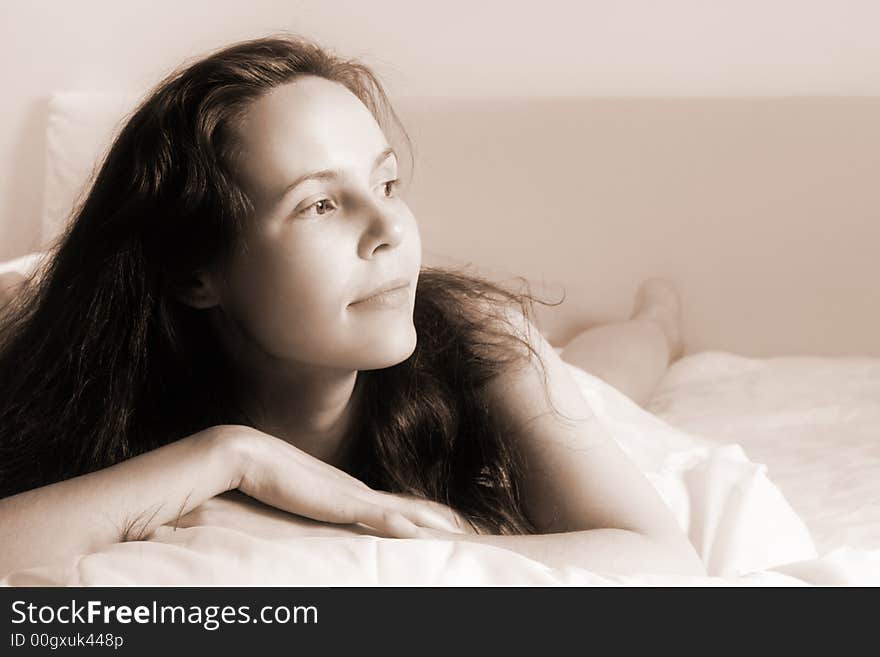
769	462
803	512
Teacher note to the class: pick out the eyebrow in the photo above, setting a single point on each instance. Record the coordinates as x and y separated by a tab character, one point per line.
328	174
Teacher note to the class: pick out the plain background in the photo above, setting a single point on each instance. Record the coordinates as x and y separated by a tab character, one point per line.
730	146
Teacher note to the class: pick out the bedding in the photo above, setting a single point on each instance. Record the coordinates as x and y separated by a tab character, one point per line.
22	265
13	273
814	422
741	524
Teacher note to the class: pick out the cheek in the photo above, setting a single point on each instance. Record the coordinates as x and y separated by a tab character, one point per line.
289	303
416	245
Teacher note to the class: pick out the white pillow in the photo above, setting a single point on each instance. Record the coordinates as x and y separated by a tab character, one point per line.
80	129
23	265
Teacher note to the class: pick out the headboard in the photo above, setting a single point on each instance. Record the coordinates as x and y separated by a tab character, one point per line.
765	212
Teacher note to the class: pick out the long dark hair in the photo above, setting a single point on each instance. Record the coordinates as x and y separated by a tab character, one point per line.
99	362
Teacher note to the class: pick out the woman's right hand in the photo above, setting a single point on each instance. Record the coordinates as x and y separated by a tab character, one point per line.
283	476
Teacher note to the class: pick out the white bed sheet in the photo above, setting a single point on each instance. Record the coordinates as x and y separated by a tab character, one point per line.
815	423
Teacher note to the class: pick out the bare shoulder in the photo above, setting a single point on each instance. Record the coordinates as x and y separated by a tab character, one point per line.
536	384
576	476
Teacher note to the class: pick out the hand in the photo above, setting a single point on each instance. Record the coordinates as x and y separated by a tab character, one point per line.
283	476
448	519
424	532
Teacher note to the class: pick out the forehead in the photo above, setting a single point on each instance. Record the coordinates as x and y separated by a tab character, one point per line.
304	126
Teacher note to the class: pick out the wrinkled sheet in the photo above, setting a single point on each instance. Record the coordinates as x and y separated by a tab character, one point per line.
740	523
814	421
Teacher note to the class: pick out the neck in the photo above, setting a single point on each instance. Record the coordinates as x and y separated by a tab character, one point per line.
314	413
311	407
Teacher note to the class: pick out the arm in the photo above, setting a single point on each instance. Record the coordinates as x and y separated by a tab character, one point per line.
616	551
131	499
592	505
85	513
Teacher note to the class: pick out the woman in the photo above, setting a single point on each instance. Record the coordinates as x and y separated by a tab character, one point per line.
214	319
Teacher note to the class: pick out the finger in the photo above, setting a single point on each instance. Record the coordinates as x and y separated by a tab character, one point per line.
390	523
430	519
381	521
318	466
446	520
422	512
384	520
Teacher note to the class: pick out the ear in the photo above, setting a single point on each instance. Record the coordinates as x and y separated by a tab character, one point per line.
198	290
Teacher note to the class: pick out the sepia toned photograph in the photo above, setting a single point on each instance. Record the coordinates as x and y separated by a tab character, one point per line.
332	293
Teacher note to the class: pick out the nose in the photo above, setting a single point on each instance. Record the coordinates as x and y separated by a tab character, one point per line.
384	230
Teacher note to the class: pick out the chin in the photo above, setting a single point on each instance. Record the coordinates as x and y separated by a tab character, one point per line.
393	350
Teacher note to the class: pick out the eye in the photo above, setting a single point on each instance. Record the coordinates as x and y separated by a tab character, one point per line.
390	187
321	207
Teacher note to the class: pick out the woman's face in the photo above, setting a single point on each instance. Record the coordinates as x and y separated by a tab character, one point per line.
328	230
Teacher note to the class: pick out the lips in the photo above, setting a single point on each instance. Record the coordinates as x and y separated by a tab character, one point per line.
397	283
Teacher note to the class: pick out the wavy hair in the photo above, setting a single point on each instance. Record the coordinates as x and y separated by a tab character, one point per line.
100	362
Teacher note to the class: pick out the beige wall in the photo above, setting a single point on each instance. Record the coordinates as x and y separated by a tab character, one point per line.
457	47
764	212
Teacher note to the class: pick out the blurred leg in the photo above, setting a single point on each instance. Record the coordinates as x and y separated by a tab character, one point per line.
633	355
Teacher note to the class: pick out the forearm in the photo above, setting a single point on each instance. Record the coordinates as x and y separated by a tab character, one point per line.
130	499
614	551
